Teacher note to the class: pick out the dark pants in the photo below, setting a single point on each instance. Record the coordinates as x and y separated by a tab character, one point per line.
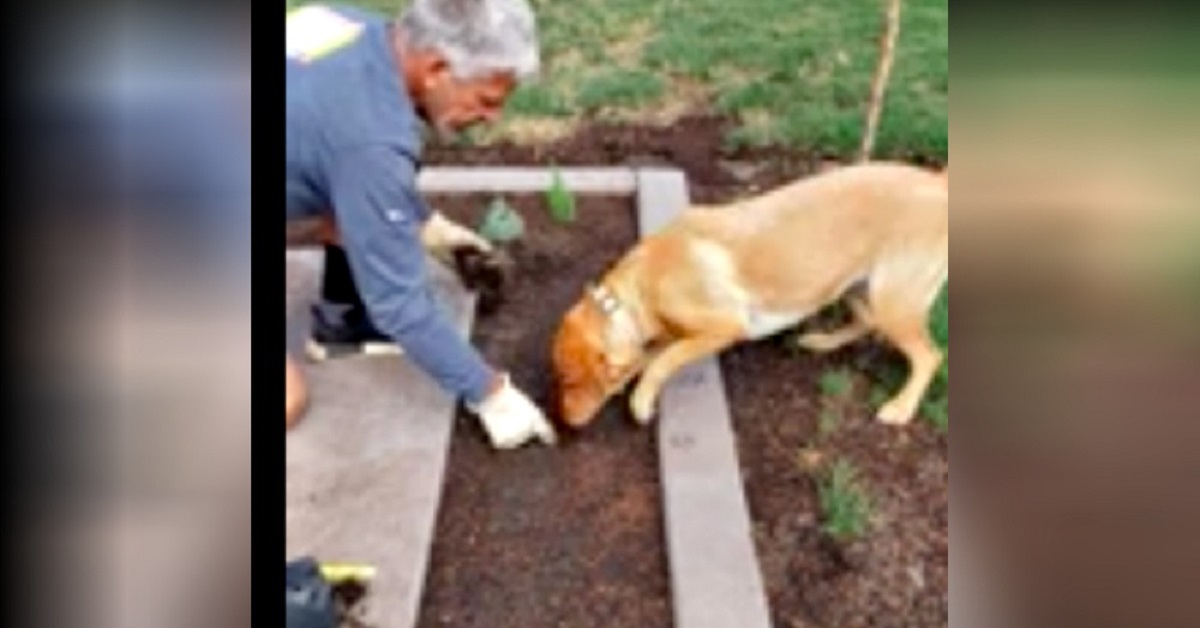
309	597
340	305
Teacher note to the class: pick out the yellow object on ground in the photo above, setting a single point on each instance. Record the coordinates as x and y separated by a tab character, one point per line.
341	572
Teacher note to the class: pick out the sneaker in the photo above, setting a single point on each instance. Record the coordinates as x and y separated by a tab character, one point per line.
343	339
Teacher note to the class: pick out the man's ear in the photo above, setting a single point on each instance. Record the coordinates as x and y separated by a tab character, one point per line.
433	68
438	66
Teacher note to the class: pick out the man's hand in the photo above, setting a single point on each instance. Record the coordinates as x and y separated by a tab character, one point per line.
511	419
442	236
480	265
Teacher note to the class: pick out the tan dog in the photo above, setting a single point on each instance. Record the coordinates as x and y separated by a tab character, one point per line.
717	276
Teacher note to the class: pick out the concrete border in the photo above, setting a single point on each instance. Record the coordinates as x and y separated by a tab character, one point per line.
715	579
517	180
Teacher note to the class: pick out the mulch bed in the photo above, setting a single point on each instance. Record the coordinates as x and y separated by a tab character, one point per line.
572	536
897	574
569	536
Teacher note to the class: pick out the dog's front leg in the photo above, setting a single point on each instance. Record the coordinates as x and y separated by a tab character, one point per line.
664	366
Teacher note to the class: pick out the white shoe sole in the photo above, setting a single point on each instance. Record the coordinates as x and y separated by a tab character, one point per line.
320	353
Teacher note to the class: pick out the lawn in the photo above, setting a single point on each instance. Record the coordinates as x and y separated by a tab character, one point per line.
789	72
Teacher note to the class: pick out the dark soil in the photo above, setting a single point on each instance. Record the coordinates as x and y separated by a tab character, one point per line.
580	526
566	536
346	598
897	574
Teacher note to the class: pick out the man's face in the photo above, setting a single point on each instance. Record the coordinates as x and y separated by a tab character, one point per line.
452	104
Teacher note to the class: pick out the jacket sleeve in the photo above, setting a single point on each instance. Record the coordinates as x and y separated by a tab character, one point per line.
379	214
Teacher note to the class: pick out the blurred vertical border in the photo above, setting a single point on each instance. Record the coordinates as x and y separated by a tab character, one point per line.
1076	245
129	241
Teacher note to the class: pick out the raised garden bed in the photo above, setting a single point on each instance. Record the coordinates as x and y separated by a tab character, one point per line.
896	573
570	536
791	428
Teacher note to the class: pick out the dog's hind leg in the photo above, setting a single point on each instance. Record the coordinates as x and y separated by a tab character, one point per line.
824	342
900	302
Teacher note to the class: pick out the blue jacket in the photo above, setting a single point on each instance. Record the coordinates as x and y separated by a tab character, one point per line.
353	148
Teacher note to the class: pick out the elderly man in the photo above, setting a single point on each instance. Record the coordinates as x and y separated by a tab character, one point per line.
358	87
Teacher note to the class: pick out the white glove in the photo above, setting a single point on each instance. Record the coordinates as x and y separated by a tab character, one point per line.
441	236
511	419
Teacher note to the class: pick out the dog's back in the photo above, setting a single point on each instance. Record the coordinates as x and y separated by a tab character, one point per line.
884	226
804	243
716	276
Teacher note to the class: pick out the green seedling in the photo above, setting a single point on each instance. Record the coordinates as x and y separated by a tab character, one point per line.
835	383
827	421
501	224
845	506
560	200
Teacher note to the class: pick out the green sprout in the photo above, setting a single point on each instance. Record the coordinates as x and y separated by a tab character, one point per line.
844	502
560	200
501	223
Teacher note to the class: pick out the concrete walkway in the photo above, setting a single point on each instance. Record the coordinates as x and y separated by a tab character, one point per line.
364	468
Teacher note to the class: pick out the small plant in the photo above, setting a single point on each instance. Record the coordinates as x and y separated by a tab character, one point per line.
560	200
828	421
845	506
937	412
501	223
835	383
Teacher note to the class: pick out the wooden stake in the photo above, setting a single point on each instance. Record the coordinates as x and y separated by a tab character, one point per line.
887	55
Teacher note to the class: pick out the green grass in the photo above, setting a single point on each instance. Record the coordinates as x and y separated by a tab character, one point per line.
619	88
935	408
845	504
792	72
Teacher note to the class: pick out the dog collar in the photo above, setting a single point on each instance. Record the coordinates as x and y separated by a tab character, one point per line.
605	299
611	306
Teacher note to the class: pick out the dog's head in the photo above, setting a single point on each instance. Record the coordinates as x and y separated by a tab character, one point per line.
596	352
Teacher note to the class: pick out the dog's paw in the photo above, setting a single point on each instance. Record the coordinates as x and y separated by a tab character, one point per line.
893	413
641	406
817	342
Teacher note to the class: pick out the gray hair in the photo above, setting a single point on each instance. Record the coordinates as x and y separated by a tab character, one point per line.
477	37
